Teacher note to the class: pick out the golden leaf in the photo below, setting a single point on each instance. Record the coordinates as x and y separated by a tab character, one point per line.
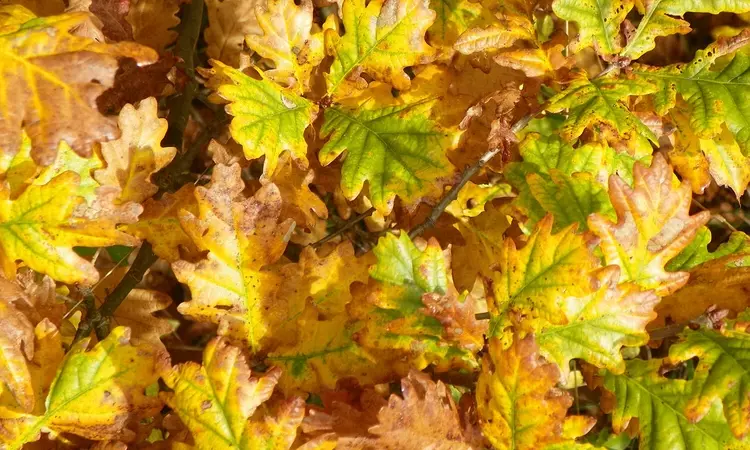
519	406
229	21
152	22
137	154
217	402
46	65
653	225
230	287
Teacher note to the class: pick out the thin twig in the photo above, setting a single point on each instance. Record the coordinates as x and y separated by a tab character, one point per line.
719	218
667	331
347	225
470	171
142	262
179	111
91	315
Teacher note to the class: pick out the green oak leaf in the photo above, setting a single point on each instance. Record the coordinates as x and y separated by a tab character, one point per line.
659	403
723	372
714	97
598	22
662	18
267	119
398	150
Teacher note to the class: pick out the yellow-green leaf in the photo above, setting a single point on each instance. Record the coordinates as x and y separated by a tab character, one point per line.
653	225
381	39
40	228
268	119
95	393
398	150
230	287
222	405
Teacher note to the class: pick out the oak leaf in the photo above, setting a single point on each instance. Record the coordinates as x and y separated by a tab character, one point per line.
222	405
483	236
229	21
713	97
453	18
397	150
40	228
659	403
16	346
598	22
425	417
382	51
230	287
134	157
159	224
286	40
600	323
95	393
136	310
653	225
518	404
721	373
600	102
43	67
153	22
298	201
268	119
721	282
534	281
664	17
40	370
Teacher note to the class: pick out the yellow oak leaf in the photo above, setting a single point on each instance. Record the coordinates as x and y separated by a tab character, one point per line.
39	370
534	281
40	228
453	17
153	22
16	346
483	236
242	236
501	34
286	40
137	154
726	162
686	154
412	310
381	39
653	225
600	323
323	353
518	404
224	408
229	21
722	282
298	201
44	65
159	224
95	393
323	280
